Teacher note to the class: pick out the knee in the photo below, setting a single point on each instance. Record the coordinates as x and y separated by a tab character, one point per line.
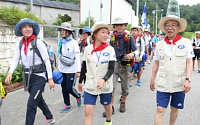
88	112
174	109
108	107
160	110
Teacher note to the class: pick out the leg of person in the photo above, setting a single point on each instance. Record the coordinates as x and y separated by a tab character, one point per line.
70	87
36	88
194	61
105	100
115	79
162	103
0	107
65	93
130	79
124	85
177	102
139	76
89	102
198	62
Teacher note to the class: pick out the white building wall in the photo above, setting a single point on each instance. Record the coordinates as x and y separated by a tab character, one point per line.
45	13
120	8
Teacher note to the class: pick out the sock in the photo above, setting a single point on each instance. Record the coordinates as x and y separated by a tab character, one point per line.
122	102
108	120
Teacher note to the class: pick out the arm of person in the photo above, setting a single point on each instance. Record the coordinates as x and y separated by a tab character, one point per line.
153	75
111	67
142	48
14	63
77	59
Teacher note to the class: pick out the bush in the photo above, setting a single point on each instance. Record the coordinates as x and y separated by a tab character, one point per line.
16	76
11	15
85	23
60	19
128	27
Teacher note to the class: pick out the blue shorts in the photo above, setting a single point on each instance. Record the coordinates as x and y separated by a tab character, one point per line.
89	99
177	99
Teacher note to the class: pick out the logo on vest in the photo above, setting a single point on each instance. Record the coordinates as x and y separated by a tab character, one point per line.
106	54
181	46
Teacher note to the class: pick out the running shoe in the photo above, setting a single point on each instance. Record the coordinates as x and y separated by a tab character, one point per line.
49	121
139	83
108	123
66	107
129	85
79	101
198	70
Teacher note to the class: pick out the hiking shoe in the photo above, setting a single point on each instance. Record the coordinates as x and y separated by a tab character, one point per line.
49	121
66	107
139	83
198	70
79	101
113	112
108	123
129	85
122	107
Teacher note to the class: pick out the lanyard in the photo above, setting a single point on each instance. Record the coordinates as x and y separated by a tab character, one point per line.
98	56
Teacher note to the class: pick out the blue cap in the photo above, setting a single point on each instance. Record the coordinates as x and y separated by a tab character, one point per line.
86	29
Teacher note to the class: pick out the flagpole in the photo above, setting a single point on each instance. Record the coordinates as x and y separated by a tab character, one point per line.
156	16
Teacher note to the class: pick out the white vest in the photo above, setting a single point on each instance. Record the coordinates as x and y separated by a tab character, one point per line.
171	72
96	73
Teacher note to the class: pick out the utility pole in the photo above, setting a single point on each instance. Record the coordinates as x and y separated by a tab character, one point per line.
138	10
31	6
156	17
89	16
101	6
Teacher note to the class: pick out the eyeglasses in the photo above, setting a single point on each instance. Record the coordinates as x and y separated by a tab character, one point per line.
172	26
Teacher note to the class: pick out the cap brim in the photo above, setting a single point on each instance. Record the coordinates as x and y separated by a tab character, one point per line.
70	29
182	22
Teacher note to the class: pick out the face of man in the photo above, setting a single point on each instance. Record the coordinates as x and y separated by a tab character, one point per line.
197	35
171	28
27	30
145	32
134	32
140	31
119	27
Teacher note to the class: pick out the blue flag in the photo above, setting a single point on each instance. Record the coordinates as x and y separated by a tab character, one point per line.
144	17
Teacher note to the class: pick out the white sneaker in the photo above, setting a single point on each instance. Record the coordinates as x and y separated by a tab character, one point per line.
193	69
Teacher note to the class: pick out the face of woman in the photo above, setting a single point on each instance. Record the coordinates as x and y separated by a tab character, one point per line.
27	30
64	33
85	35
102	35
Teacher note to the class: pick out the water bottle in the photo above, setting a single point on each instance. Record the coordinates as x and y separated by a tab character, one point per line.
51	53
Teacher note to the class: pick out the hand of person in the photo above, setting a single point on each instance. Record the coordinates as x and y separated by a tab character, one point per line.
8	78
139	59
152	85
100	84
78	74
186	86
51	83
195	47
129	56
80	89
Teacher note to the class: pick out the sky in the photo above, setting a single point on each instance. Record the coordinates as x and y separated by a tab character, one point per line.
190	2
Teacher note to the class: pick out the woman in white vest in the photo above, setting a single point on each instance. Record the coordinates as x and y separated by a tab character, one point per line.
35	75
98	66
69	64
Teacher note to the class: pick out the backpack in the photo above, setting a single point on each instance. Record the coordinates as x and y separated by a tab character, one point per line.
2	91
52	57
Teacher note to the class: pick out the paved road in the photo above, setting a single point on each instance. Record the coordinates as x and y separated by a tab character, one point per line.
141	106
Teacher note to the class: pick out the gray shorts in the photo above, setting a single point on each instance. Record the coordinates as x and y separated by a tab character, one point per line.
123	76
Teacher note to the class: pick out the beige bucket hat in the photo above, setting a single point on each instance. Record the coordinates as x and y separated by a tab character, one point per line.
197	32
119	20
135	27
182	22
66	26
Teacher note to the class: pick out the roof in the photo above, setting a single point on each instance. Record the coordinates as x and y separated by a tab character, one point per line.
47	3
130	2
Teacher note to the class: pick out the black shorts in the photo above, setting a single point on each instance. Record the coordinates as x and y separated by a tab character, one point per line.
197	55
150	49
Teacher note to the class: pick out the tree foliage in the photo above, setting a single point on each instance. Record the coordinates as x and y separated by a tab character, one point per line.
60	19
85	23
11	15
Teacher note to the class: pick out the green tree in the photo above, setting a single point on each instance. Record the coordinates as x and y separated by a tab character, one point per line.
85	23
60	19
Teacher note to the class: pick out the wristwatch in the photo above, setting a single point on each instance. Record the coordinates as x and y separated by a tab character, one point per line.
189	79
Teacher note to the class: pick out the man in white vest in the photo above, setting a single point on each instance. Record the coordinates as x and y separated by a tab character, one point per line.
173	67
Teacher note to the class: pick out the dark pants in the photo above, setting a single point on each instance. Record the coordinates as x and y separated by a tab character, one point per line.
68	84
36	87
0	107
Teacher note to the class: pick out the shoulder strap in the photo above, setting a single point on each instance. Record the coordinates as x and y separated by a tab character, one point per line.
20	47
140	44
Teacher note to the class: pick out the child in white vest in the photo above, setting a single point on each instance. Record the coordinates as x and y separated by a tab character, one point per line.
98	66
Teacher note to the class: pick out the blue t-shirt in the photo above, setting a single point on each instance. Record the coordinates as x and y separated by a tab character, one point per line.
121	51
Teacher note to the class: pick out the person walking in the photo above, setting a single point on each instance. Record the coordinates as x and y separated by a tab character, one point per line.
84	40
123	44
35	76
173	66
196	47
69	64
98	67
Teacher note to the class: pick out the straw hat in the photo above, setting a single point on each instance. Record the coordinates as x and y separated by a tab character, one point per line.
36	27
146	30
66	26
119	20
139	27
99	25
182	22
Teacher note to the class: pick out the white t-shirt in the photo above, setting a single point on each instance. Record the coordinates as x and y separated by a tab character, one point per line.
70	49
97	54
169	53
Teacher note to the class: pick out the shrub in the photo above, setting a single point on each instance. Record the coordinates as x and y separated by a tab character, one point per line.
11	15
